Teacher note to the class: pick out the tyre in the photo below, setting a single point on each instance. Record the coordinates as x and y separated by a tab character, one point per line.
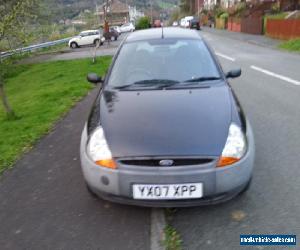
96	41
74	45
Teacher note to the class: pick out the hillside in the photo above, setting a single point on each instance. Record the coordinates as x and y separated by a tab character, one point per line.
68	9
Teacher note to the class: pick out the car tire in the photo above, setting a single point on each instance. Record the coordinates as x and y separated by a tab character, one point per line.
96	41
74	45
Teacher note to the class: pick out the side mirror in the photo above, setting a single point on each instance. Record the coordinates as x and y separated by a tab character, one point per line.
94	78
234	73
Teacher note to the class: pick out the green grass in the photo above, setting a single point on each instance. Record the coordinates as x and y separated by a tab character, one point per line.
172	239
40	94
291	45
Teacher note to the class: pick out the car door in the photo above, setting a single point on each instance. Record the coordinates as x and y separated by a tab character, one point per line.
84	38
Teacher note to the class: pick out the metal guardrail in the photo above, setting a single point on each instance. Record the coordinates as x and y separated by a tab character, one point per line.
33	47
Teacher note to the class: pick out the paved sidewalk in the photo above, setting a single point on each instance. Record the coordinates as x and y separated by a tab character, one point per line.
44	203
249	38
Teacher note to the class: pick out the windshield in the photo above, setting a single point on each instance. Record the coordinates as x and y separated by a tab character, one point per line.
163	59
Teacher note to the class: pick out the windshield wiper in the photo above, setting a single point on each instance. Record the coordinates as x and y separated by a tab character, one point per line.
203	79
152	83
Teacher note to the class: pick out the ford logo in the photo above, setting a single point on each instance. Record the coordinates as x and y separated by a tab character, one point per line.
166	162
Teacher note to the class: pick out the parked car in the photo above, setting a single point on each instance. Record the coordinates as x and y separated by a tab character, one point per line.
111	35
194	23
175	23
87	37
116	28
127	27
166	128
185	21
157	23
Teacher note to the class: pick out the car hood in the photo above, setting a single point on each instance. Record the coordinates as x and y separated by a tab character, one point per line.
177	122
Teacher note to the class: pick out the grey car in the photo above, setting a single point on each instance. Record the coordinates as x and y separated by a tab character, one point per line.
166	128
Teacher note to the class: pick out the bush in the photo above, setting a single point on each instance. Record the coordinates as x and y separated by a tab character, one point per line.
143	23
224	15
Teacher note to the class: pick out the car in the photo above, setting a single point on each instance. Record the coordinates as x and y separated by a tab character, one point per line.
111	35
175	23
194	23
166	129
185	21
127	27
116	28
87	37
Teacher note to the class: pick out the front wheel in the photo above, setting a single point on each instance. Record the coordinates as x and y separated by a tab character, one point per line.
97	41
74	45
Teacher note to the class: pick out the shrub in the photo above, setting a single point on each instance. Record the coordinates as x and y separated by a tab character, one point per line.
224	15
143	23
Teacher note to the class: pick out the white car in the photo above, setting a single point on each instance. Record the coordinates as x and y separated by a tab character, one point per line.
127	27
116	28
185	22
175	23
87	37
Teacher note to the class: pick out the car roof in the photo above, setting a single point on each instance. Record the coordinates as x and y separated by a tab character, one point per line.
168	32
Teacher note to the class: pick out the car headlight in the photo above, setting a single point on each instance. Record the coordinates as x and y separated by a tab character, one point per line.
98	150
235	146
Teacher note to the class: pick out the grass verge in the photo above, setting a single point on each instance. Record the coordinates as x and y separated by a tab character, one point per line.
291	45
172	239
40	94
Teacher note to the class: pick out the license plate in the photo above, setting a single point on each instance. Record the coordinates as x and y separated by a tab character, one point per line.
167	191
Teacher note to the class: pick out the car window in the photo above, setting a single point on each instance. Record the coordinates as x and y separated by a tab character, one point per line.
170	59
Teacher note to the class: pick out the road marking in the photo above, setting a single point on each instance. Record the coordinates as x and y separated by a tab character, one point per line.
158	224
226	57
267	72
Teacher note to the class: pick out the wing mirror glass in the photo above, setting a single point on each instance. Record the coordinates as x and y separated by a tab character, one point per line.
234	73
94	78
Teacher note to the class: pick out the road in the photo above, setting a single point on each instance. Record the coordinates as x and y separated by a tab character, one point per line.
44	204
269	91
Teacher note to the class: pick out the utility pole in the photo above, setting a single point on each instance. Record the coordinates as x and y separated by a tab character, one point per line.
151	11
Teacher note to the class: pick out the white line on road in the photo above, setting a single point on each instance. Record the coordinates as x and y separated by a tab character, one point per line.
226	57
158	224
267	72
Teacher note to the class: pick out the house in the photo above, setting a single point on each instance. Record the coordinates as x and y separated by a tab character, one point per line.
117	13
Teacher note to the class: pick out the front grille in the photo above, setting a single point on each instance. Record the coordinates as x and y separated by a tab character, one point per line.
176	162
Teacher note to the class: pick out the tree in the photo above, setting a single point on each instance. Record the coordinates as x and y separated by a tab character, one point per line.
14	16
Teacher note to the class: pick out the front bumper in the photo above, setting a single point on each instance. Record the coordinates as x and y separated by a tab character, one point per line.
220	184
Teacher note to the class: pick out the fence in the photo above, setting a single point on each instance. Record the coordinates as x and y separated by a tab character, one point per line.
283	29
221	23
33	47
250	25
234	24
